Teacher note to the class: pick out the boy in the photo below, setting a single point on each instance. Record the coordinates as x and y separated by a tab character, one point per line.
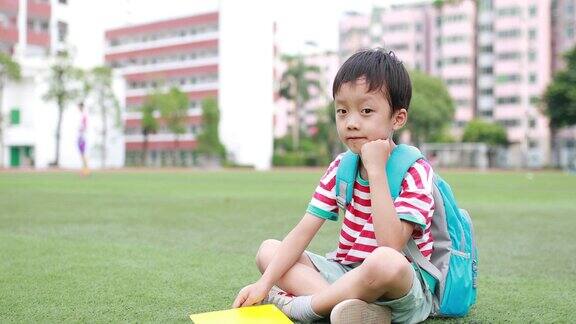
367	275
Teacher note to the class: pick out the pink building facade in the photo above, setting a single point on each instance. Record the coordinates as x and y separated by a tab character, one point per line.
495	57
179	52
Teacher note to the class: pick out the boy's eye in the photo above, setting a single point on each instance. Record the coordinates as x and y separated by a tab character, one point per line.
367	110
340	111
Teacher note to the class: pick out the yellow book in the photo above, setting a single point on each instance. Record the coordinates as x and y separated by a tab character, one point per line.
262	314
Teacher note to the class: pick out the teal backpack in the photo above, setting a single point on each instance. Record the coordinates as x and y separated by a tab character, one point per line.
453	266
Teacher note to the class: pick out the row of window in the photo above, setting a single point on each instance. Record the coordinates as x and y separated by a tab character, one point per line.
193	105
163	130
534	100
39	26
176	33
516	11
187	57
159	158
180	81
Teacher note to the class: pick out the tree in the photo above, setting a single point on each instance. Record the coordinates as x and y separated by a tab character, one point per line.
295	85
9	71
327	134
431	109
65	86
174	110
208	139
98	84
560	100
149	122
478	131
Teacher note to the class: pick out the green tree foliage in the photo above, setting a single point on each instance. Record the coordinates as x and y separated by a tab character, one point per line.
295	85
431	109
560	100
98	85
209	143
65	86
9	71
150	125
478	131
174	110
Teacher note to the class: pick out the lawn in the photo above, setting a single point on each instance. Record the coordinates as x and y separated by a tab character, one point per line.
158	246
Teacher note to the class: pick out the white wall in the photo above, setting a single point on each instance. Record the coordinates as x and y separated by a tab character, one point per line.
246	81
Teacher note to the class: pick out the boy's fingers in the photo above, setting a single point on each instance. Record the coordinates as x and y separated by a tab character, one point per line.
247	302
239	300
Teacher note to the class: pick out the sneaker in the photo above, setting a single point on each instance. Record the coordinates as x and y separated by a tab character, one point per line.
280	298
356	311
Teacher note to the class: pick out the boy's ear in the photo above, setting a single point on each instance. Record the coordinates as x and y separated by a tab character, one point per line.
399	119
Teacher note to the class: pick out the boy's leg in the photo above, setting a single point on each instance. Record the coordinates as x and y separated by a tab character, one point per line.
384	273
302	279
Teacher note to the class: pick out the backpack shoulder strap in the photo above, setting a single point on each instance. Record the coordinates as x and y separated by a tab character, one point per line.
401	159
345	178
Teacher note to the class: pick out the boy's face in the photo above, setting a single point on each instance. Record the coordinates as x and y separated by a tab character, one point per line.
363	116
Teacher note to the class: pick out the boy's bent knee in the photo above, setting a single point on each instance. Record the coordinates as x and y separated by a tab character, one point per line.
265	253
384	267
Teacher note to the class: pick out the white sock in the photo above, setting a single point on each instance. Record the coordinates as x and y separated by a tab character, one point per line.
301	309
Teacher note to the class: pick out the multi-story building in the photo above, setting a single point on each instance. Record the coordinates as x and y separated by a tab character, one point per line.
493	55
179	52
353	33
327	64
204	55
31	31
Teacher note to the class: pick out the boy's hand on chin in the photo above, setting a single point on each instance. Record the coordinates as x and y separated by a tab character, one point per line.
375	154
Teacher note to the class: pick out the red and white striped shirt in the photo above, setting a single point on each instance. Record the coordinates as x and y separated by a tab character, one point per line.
357	239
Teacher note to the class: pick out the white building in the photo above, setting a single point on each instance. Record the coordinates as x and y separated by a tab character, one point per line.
32	32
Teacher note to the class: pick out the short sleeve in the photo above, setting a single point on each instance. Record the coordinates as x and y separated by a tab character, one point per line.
415	202
323	203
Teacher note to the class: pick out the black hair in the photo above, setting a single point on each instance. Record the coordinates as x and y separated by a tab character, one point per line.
382	71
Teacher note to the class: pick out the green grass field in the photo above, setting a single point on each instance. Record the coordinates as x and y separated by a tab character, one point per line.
156	247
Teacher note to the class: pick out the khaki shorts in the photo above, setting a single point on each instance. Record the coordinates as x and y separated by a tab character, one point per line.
415	307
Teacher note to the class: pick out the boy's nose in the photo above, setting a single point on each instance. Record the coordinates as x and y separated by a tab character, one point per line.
352	123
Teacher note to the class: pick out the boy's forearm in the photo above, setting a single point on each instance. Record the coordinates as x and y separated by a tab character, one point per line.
388	228
291	248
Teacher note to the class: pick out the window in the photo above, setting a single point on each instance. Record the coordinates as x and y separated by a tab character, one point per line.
15	116
63	1
454	39
533	11
509	122
532	55
457	81
486	5
487	49
456	60
487	28
509	11
508	78
532	78
486	92
509	33
486	113
504	56
508	100
534	100
486	70
62	31
532	123
532	33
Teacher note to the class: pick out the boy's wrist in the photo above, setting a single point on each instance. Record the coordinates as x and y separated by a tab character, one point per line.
376	173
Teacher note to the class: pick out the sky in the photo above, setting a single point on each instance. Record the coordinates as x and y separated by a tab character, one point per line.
299	22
